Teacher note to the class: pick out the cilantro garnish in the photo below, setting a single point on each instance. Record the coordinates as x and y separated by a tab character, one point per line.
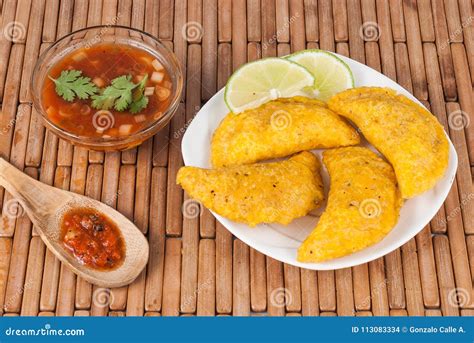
122	94
140	101
71	84
139	105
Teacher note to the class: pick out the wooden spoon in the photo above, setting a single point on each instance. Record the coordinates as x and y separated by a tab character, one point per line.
45	205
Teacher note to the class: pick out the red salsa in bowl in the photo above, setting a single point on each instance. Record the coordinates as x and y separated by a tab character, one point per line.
110	91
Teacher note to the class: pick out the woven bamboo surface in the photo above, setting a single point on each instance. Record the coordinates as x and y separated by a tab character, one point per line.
196	267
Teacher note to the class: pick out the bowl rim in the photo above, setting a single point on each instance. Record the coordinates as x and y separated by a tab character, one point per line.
113	141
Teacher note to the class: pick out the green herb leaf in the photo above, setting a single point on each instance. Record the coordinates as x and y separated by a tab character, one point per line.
118	93
139	105
122	94
71	84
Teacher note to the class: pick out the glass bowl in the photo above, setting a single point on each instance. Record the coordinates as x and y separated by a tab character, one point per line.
86	38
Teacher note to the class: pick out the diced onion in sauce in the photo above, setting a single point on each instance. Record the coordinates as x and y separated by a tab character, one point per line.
64	114
98	81
157	65
146	59
85	110
139	118
149	91
167	84
51	111
162	93
79	56
157	77
125	129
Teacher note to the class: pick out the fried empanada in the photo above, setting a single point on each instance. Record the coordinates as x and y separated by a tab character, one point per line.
276	192
363	205
409	136
276	129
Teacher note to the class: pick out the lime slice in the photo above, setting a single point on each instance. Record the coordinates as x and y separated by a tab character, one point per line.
258	82
331	74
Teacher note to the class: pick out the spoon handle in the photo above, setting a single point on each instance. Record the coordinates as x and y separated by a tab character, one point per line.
36	198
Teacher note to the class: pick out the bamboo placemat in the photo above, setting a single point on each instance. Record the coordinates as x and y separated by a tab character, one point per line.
196	267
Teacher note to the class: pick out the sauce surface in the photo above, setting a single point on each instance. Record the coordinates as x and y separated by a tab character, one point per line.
102	63
92	238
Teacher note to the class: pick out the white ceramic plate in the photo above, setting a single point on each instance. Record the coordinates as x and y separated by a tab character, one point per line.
281	242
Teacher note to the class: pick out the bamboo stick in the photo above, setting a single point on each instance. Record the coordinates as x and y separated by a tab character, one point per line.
156	239
171	278
344	292
411	273
444	53
309	293
22	17
327	290
32	47
378	288
326	30
445	276
136	296
415	51
339	10
426	20
206	290
49	286
269	34
465	11
152	15
174	194
464	88
361	284
209	49
224	21
80	14
18	260
142	191
463	176
398	21
429	282
311	20
223	269
282	16
239	33
34	272
165	30
385	40
258	281
296	25
354	22
190	257
5	256
64	20
8	16
278	296
241	280
292	281
254	23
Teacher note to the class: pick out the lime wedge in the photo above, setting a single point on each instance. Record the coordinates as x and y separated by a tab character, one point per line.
258	82
331	74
